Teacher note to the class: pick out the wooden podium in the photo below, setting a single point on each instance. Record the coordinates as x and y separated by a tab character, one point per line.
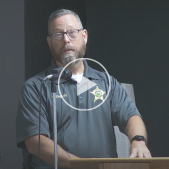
120	163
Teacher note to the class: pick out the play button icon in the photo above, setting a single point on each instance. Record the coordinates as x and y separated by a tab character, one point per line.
84	85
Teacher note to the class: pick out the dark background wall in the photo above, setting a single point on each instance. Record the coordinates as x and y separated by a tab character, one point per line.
130	38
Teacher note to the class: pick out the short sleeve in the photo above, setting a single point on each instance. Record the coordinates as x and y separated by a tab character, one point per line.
122	107
27	119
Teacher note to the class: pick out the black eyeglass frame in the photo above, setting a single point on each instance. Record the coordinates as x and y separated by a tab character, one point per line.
66	32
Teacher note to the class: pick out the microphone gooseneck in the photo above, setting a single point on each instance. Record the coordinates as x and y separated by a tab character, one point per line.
66	74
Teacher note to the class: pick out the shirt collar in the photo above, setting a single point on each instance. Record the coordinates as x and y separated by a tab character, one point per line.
88	72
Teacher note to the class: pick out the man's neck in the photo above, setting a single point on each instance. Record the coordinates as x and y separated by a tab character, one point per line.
76	68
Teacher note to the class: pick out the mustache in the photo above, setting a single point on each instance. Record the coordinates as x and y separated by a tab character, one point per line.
67	47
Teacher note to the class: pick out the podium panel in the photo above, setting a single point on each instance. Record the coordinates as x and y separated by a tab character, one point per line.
120	163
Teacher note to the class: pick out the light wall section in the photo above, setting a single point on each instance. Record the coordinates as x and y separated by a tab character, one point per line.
12	73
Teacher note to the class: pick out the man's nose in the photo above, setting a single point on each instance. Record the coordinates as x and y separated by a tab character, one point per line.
66	38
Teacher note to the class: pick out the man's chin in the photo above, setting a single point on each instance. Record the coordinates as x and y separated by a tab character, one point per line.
69	59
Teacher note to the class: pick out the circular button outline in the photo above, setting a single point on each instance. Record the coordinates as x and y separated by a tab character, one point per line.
67	66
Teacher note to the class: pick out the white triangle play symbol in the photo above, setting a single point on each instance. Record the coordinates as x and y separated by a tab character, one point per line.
84	85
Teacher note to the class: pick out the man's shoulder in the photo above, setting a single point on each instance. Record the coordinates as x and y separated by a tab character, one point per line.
102	74
37	79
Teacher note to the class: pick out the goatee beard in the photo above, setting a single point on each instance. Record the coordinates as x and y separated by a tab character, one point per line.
64	59
67	58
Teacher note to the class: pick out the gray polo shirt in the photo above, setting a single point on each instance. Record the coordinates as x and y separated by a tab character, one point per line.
85	134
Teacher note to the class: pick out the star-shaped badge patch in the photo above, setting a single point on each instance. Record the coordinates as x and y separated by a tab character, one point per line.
98	93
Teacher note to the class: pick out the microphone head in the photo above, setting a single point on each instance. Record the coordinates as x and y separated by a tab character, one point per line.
66	74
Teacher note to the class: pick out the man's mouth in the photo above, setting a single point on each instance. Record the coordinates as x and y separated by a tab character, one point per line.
68	50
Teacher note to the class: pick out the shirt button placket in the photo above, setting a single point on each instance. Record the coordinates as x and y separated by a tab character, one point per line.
81	104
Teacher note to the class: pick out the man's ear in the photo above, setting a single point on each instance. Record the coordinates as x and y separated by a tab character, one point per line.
85	35
49	42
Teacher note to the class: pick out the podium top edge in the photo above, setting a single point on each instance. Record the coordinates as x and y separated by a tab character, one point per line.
120	159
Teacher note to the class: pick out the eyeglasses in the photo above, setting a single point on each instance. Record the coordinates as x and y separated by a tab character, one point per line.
72	34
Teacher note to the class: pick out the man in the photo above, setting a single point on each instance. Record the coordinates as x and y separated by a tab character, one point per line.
81	134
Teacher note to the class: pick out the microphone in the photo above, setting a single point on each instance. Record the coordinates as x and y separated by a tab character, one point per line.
66	74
